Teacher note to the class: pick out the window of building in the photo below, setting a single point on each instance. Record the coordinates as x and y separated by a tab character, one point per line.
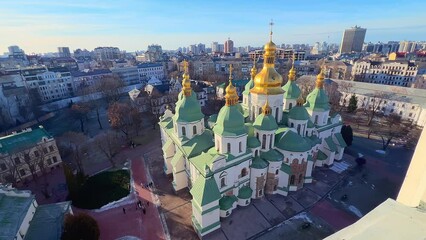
45	150
290	105
410	115
316	119
263	141
194	130
55	159
22	172
243	172
276	172
17	160
276	114
183	131
300	178
292	179
400	112
256	153
260	192
49	161
412	107
298	128
228	147
51	148
270	141
27	156
240	146
36	153
3	166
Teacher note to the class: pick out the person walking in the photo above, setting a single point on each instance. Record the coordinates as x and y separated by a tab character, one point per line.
143	210
124	210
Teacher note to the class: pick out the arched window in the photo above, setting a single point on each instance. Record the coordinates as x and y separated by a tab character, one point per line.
222	182
194	130
228	147
292	178
243	172
298	128
257	136
217	145
240	146
316	119
263	141
292	125
276	114
290	105
260	110
300	178
270	141
183	131
276	172
256	153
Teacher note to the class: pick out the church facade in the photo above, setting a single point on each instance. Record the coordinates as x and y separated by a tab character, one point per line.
267	144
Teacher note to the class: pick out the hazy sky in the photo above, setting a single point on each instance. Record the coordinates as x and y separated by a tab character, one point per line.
43	25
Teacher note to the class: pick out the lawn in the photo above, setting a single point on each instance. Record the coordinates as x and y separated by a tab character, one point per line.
102	189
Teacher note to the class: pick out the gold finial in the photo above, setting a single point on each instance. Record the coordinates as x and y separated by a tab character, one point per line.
300	100
292	72
186	83
270	33
266	109
231	96
320	78
253	70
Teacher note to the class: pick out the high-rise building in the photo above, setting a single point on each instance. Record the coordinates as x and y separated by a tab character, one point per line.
201	48
64	52
16	53
193	49
215	47
107	53
353	39
229	46
407	46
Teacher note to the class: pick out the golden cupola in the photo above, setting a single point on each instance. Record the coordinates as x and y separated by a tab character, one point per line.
268	80
186	82
319	83
231	96
292	72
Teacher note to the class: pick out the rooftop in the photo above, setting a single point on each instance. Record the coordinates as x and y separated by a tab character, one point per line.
22	140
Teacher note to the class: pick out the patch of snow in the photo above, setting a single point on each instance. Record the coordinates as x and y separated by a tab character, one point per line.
121	202
360	155
355	210
373	186
350	183
128	238
380	151
302	216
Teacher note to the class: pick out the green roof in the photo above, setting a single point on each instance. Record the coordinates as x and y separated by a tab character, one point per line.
284	120
226	202
292	91
22	140
245	192
199	143
315	139
317	100
248	86
205	190
48	221
259	163
253	142
265	122
310	124
292	142
272	156
236	83
213	118
166	123
331	144
12	213
298	113
188	109
340	140
285	168
230	122
321	155
250	129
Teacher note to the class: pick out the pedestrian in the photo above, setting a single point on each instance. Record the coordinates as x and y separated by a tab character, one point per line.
151	184
124	210
147	203
143	210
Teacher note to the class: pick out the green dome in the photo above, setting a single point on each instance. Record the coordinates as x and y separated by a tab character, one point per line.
292	142
298	113
265	122
259	163
292	91
230	122
317	100
250	129
248	86
272	156
188	109
240	108
245	192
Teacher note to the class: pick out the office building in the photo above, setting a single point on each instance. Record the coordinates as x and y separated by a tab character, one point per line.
64	52
353	40
107	53
229	46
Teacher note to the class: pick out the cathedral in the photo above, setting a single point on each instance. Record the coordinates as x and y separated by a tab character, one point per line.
267	144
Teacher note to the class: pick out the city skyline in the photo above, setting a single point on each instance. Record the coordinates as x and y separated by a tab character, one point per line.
43	26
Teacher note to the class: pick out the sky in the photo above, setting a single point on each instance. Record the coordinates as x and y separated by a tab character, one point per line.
43	25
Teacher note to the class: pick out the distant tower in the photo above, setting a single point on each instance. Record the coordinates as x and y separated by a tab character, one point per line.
229	46
353	39
64	52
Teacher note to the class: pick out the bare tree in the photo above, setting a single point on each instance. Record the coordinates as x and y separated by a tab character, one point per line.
373	104
75	144
12	168
30	163
109	144
124	118
110	87
79	112
35	102
93	103
392	127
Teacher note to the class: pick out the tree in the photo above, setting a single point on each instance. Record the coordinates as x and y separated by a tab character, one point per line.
35	102
12	168
109	87
347	134
392	127
80	226
74	144
353	104
79	112
92	101
373	105
108	143
334	96
124	118
31	164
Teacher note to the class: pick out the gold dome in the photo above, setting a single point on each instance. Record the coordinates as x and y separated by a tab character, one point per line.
319	83
231	96
268	80
186	83
266	109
